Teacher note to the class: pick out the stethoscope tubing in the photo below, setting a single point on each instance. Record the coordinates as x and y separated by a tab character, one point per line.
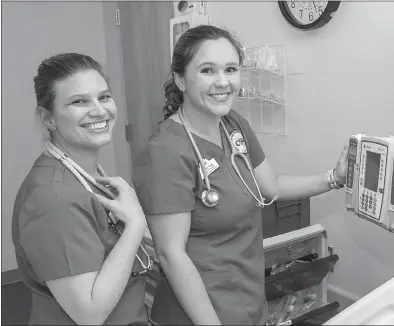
234	152
81	175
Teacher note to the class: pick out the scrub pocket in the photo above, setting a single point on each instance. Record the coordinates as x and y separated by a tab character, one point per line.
224	290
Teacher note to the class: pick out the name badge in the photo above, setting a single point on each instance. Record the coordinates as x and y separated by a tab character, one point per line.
210	166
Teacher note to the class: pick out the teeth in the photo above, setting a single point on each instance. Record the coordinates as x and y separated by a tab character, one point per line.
220	96
98	125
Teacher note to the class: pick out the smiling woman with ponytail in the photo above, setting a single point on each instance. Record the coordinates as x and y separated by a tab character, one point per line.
210	251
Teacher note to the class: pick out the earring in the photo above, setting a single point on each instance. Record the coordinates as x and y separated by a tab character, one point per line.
181	88
51	126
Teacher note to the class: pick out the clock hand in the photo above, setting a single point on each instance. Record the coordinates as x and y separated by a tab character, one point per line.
314	5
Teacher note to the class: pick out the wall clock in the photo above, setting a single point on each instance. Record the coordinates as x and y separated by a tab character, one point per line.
308	15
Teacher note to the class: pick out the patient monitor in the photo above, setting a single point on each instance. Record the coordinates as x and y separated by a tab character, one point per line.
370	179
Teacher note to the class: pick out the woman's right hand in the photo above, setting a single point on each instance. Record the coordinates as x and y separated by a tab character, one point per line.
125	206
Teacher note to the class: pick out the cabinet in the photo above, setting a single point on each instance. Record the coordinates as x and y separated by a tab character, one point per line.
303	284
305	254
285	216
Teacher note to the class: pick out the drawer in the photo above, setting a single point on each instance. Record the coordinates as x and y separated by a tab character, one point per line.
297	264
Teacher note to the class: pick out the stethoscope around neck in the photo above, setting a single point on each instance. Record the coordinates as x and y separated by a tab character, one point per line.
210	196
82	176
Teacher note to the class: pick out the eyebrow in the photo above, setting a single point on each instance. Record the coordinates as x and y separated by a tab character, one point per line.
86	95
213	64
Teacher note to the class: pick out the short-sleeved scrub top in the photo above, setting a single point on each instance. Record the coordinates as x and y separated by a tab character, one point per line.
60	229
225	242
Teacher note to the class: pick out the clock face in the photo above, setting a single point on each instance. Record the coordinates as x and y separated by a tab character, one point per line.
306	12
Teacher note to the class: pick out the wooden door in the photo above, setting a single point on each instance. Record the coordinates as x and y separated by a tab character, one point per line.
145	38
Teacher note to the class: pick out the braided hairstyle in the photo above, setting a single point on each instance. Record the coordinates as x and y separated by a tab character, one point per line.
184	51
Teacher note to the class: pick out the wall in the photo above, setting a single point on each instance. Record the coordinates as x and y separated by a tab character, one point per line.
342	85
32	31
344	81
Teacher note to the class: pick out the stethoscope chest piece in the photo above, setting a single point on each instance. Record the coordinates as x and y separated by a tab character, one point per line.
210	197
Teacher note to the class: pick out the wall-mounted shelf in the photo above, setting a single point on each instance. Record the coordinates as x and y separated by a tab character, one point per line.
261	99
258	98
258	70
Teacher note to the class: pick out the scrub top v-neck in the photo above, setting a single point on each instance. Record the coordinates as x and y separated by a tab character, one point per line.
225	242
59	229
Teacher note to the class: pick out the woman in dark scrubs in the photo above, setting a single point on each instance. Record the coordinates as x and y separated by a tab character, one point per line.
212	257
76	266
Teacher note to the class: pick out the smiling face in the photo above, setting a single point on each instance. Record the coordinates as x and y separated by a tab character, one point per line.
212	78
84	112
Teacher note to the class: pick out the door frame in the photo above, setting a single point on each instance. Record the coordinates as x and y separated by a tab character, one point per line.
115	72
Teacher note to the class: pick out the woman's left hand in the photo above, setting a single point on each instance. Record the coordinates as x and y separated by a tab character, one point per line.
341	168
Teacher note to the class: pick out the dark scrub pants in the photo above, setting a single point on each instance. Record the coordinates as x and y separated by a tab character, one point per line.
60	229
225	242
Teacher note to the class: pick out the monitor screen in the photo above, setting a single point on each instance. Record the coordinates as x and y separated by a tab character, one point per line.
372	171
